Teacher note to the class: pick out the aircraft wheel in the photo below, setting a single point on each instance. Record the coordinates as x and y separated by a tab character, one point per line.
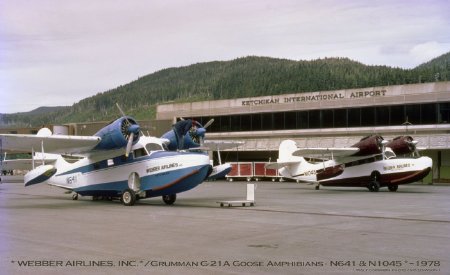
374	184
393	188
75	196
128	197
169	199
317	187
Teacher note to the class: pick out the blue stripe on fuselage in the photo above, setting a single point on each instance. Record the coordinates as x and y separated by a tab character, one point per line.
118	161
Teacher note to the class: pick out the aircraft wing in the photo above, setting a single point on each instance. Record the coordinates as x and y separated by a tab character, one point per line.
320	152
58	144
26	164
215	145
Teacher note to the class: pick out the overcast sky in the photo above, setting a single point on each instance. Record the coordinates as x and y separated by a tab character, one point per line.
55	52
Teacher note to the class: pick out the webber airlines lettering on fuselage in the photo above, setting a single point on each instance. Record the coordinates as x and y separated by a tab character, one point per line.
163	167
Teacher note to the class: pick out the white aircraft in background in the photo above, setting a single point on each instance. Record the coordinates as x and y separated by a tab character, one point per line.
371	163
117	162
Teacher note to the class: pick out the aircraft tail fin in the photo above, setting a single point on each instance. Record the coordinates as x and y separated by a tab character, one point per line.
287	163
285	151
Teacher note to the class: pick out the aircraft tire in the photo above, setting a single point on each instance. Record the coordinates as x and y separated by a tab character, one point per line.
128	197
169	199
374	184
75	196
393	188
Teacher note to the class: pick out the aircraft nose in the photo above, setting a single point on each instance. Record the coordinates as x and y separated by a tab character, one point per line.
201	132
134	128
429	162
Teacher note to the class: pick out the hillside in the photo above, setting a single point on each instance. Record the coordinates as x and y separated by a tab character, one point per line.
242	77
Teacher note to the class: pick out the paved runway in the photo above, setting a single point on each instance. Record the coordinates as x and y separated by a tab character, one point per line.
292	229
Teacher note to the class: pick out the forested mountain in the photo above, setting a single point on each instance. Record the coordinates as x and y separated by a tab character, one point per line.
242	77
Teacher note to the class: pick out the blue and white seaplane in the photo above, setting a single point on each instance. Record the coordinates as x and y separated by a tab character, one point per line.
117	162
188	134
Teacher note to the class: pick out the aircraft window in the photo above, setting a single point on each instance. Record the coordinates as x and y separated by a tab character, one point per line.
110	162
71	159
314	160
139	152
153	147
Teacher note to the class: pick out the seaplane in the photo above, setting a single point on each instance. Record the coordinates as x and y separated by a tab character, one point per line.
188	134
372	163
117	162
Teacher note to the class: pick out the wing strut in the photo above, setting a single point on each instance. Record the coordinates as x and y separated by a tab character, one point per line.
42	149
32	157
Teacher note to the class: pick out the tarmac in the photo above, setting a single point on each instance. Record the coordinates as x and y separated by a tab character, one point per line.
292	229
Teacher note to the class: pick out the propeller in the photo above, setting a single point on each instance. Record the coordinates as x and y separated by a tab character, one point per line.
130	129
198	133
208	123
414	145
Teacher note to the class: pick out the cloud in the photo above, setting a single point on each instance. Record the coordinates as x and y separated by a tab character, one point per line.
59	52
426	51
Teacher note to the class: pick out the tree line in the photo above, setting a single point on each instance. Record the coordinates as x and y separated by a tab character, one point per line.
243	77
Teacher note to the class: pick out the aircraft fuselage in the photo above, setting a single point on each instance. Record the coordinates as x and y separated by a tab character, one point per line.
358	172
157	174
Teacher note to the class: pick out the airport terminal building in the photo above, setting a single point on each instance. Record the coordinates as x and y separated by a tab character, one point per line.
337	118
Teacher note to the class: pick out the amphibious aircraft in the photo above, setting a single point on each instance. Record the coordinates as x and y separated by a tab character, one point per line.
189	134
116	162
371	163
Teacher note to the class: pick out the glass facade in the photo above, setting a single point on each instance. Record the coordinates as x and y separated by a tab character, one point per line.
394	115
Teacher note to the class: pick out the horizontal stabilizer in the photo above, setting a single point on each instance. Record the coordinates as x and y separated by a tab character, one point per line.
280	164
22	164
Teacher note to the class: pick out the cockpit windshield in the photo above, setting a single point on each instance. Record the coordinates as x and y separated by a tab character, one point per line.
153	147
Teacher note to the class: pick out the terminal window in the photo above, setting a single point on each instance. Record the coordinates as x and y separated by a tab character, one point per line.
395	115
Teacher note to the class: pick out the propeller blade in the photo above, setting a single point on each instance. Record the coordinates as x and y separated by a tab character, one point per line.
129	144
123	114
208	123
120	109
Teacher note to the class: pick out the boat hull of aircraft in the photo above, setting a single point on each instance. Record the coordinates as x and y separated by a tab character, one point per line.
387	173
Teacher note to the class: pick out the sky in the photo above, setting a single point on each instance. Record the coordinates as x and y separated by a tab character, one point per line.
55	53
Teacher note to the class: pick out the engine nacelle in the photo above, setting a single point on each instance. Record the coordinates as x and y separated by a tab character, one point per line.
402	145
369	145
115	135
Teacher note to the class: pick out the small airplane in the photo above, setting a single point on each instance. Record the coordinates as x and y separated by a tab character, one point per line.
370	163
188	134
116	162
